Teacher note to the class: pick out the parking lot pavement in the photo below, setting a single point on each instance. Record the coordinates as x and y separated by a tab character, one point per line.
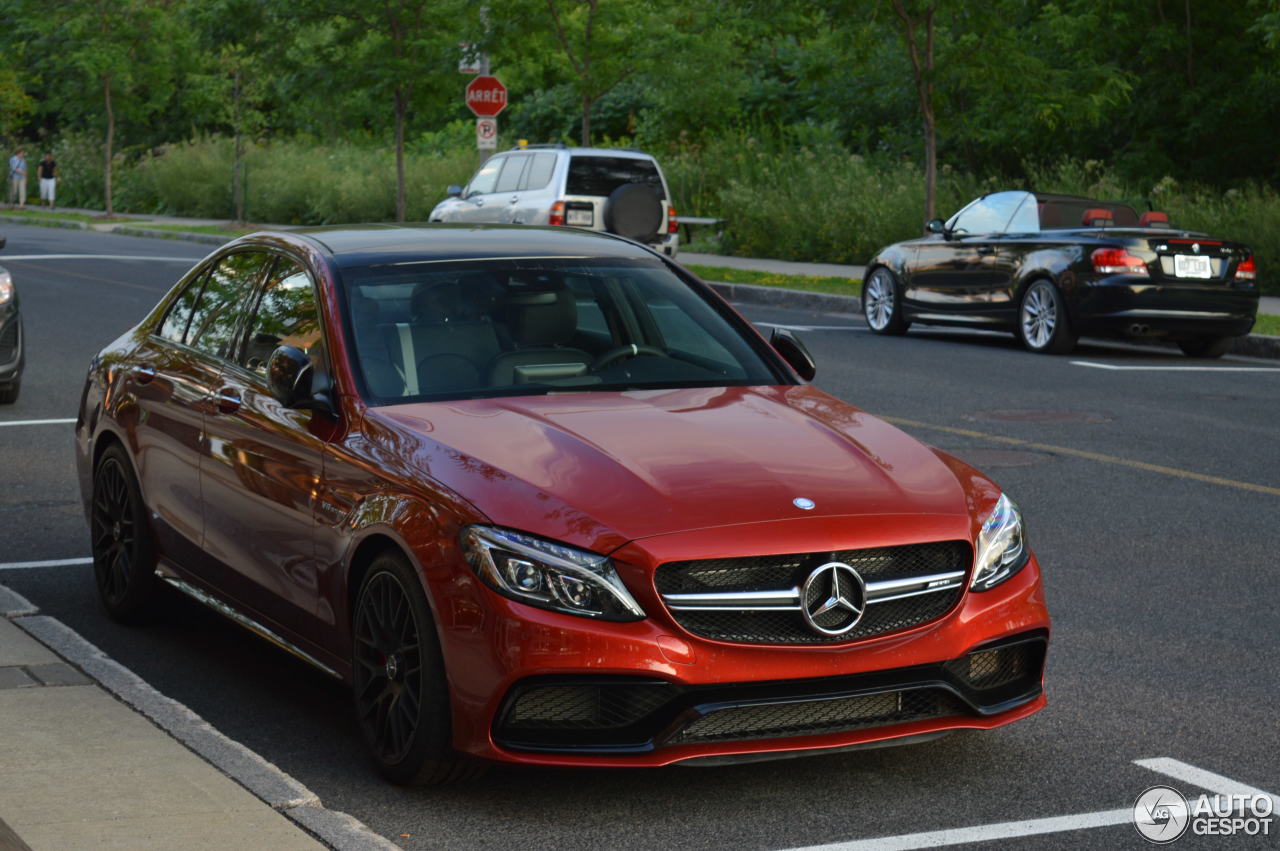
1149	498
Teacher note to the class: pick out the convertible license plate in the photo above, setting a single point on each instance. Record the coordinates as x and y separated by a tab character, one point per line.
1192	266
579	218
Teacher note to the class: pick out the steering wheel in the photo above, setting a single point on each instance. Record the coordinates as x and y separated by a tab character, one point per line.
629	351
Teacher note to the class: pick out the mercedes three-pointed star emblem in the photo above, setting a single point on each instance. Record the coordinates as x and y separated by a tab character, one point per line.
833	599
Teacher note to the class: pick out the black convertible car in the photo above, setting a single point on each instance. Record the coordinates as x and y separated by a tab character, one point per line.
1053	267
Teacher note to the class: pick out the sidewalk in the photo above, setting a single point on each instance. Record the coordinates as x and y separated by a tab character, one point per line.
79	768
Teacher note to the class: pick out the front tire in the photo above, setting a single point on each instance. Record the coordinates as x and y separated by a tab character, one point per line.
9	392
1043	324
882	303
1206	347
398	682
124	561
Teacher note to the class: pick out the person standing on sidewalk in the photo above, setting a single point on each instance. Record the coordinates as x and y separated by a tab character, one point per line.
18	177
48	172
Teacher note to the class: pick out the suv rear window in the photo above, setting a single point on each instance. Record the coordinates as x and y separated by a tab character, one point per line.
602	175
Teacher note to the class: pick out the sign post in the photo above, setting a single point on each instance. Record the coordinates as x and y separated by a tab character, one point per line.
486	97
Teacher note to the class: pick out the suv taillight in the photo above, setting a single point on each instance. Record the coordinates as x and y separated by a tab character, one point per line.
557	214
672	225
1246	270
1117	261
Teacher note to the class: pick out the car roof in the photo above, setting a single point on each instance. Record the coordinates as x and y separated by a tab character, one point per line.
627	153
363	245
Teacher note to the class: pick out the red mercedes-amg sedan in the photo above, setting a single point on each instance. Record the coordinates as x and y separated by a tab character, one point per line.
541	496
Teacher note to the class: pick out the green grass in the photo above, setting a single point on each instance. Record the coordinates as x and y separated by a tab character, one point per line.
809	283
1267	324
35	213
219	230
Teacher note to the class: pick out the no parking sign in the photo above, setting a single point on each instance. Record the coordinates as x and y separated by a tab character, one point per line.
486	134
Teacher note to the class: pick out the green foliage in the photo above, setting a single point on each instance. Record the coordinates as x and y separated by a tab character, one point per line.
294	183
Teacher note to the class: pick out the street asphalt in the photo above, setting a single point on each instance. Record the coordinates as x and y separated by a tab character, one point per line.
1151	485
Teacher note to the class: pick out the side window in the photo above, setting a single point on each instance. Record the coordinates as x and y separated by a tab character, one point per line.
509	180
174	326
1026	219
538	174
222	302
988	215
482	183
287	315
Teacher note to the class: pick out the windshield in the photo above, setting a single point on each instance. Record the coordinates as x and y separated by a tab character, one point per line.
506	327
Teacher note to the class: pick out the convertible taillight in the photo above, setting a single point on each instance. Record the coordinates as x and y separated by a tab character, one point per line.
1117	261
1246	270
556	217
673	226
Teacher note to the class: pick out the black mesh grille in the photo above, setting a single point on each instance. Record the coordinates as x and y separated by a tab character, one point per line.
815	717
583	707
990	669
789	571
9	343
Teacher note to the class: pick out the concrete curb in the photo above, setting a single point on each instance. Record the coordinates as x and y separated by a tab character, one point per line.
1254	345
260	777
159	233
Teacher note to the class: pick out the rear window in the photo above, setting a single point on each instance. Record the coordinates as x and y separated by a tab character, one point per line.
602	175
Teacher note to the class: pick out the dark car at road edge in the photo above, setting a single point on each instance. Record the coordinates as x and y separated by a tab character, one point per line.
1051	268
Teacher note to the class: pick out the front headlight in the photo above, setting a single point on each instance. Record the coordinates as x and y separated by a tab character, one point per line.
548	575
6	287
1001	546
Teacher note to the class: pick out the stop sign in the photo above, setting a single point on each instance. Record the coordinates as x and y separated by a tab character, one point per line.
486	96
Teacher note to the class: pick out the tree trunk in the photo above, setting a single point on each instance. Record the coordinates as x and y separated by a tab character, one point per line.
922	70
111	134
586	121
237	171
400	193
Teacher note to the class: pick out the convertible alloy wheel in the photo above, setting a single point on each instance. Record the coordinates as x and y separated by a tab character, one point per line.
398	679
123	558
881	305
1042	320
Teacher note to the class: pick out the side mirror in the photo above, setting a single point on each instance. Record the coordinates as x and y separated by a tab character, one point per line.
787	344
289	376
936	226
454	191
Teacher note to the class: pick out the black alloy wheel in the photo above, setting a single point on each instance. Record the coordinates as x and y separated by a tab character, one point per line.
1205	347
124	560
882	303
1043	324
398	681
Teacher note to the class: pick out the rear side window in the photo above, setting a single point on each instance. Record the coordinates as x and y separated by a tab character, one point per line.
602	175
538	174
175	322
226	293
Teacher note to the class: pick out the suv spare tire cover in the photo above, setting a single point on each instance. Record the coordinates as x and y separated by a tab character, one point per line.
633	210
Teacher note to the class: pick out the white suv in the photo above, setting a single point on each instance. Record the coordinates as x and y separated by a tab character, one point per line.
604	189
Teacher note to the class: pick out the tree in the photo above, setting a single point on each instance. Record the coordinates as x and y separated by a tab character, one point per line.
920	49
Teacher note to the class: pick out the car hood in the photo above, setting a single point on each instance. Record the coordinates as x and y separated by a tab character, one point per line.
601	469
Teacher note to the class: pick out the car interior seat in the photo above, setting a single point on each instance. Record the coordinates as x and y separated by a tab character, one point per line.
448	340
541	323
381	374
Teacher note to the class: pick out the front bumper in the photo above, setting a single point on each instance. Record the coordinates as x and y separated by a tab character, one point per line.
667	696
1127	305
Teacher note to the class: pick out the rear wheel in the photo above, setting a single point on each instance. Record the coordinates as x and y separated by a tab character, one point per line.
1043	324
124	561
401	698
882	303
1205	347
9	392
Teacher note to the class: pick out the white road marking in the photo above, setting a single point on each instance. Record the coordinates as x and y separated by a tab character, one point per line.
1057	824
1124	368
37	422
191	260
57	562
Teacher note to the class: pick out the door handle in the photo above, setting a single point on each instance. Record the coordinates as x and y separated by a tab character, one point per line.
515	199
986	249
144	373
226	401
479	202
